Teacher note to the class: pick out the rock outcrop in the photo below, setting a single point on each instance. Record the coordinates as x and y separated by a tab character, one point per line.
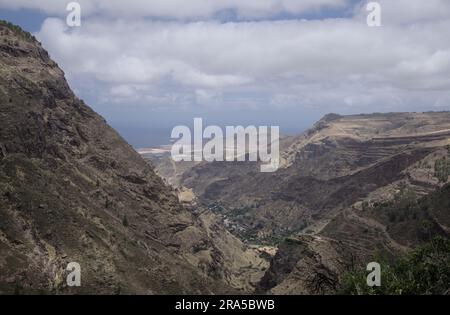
72	190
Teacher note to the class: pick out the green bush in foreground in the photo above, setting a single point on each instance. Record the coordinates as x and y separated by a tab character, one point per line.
426	270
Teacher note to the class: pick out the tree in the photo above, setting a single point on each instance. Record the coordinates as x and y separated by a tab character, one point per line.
125	221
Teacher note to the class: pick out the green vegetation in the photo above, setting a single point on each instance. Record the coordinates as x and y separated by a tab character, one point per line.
125	222
239	211
17	30
402	208
442	169
424	271
410	219
216	207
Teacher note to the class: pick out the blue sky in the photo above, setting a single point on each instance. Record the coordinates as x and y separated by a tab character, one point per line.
148	66
29	20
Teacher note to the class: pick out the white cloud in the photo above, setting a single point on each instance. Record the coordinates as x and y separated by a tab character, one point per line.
259	58
178	8
123	91
414	11
278	63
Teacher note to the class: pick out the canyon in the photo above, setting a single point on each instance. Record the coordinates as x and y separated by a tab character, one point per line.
73	190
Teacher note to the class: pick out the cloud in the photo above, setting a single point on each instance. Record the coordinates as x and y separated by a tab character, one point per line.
414	11
179	8
272	60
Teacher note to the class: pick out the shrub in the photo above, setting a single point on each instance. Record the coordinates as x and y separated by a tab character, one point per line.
424	271
17	30
125	221
442	170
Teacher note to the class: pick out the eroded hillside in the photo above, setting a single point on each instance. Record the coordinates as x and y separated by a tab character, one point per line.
349	187
72	190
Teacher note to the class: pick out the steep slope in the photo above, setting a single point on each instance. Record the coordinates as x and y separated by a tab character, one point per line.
72	190
341	161
349	187
316	264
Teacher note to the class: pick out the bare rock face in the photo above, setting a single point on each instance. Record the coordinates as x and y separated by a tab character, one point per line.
72	190
304	265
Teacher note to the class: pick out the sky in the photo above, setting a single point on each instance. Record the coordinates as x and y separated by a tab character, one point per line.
147	66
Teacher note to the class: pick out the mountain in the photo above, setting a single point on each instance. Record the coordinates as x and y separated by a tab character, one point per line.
349	187
318	264
72	190
342	162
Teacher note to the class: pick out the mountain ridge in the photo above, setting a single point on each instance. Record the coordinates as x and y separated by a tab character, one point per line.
350	186
73	190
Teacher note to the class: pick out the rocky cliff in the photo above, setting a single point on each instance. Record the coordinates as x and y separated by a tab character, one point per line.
72	190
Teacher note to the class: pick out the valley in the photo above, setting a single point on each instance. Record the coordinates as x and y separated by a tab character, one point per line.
342	192
73	190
